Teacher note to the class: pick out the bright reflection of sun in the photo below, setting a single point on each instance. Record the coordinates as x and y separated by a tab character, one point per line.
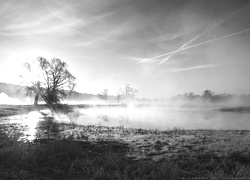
31	121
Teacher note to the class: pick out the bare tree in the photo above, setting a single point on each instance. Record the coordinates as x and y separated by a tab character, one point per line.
51	80
130	92
127	93
208	94
119	95
104	94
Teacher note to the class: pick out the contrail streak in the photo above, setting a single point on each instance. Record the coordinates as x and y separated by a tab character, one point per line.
171	55
204	32
184	45
195	45
195	68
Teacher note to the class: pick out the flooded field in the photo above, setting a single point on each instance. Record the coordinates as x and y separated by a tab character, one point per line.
137	118
205	138
165	118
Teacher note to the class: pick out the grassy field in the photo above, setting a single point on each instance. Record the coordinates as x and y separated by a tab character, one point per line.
70	151
78	152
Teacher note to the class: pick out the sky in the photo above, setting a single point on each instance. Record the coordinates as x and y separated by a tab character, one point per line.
160	47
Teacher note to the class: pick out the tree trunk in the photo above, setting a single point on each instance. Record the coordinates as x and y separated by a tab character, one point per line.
37	91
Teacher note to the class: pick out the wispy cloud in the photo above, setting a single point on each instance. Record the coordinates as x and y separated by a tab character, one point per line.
61	27
185	46
105	34
57	20
138	59
195	45
168	37
4	5
195	68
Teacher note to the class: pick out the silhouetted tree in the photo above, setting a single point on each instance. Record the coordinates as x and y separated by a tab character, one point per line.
208	94
51	79
119	95
104	94
127	93
130	92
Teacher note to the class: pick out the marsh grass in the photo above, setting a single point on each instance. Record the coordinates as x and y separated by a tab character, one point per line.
64	159
72	159
53	157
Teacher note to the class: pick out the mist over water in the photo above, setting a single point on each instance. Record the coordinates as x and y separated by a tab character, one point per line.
5	99
164	115
164	118
160	117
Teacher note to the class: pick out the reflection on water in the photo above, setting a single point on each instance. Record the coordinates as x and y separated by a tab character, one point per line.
20	126
30	126
46	125
12	131
38	125
162	118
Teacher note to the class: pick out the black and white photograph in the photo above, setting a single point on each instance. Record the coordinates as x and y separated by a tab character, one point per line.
124	89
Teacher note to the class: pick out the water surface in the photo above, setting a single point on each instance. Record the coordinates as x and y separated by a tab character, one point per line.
165	118
131	117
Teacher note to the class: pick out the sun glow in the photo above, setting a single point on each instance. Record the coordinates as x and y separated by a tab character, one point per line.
12	65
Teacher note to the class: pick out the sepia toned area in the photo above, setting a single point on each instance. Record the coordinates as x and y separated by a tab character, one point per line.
125	89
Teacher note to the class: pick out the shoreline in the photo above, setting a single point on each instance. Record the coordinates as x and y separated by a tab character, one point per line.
10	110
67	150
77	151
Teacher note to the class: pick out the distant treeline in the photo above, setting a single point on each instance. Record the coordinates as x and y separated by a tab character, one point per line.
20	92
84	96
211	96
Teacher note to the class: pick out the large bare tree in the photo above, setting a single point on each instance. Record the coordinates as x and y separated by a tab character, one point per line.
51	80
